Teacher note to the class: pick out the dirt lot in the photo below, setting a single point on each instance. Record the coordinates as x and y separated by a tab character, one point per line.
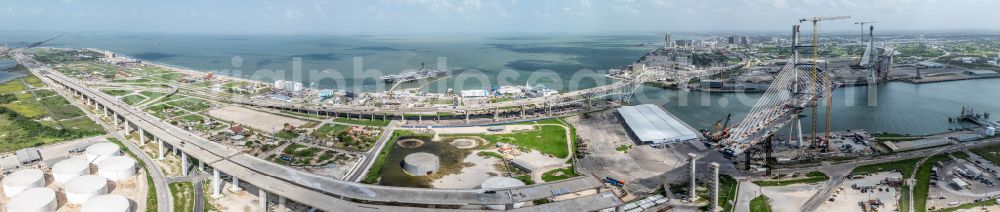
254	119
847	198
603	133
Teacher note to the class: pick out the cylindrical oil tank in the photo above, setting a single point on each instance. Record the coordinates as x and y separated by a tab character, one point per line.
80	189
100	151
34	200
67	169
106	203
421	164
117	168
21	180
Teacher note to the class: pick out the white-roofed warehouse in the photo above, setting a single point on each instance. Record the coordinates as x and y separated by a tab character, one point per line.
650	124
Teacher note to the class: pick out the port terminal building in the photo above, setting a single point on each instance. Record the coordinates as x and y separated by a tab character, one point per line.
650	124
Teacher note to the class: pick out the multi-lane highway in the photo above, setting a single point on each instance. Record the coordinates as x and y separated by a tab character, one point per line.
322	192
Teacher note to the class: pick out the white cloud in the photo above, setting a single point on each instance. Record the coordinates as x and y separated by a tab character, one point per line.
293	14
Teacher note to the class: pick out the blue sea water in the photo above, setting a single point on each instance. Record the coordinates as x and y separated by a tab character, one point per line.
513	59
333	61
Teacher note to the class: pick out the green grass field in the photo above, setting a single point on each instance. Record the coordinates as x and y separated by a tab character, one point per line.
376	170
183	193
546	139
728	189
903	166
151	95
922	187
60	108
133	99
811	177
559	174
366	122
904	198
990	153
12	86
116	92
329	130
760	204
989	202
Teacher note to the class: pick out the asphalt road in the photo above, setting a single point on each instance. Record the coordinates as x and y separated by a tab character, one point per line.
159	180
361	170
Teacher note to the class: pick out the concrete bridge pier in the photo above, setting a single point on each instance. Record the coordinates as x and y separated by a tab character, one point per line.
496	114
281	204
216	183
262	200
420	118
184	164
159	144
236	185
466	116
201	165
142	136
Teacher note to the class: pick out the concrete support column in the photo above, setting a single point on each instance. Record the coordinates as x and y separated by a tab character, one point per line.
184	164
116	120
236	185
496	114
127	128
201	165
281	204
159	143
692	159
105	111
262	202
420	118
466	116
216	183
715	187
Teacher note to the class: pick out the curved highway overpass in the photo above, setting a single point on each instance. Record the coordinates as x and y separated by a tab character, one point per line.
319	192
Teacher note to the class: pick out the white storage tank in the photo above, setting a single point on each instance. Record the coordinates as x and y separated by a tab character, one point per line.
106	203
34	200
116	168
991	131
421	164
499	183
80	189
67	169
100	151
22	180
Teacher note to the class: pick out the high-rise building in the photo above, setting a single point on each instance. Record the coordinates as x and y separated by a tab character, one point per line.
734	39
668	42
744	40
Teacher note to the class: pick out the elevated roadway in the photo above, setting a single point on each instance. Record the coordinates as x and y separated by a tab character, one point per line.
317	191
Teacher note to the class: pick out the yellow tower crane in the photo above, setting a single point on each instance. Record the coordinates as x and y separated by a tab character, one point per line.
862	23
815	74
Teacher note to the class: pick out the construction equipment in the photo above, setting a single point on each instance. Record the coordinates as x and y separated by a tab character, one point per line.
815	75
862	23
720	130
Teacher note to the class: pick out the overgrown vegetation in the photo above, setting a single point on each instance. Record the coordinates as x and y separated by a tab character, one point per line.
183	194
760	204
922	186
811	177
905	167
559	174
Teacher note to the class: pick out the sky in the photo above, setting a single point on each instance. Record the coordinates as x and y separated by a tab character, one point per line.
484	16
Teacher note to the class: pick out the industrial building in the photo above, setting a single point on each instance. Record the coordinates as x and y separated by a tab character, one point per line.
652	125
